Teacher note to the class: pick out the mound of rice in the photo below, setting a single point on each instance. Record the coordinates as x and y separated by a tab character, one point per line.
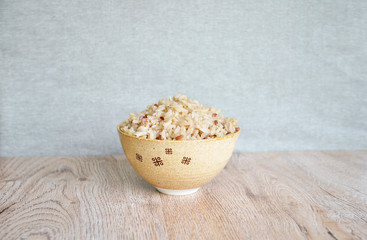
179	118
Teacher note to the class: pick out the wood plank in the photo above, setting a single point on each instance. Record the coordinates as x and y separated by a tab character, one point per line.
287	195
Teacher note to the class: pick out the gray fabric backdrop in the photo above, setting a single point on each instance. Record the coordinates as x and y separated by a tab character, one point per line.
292	72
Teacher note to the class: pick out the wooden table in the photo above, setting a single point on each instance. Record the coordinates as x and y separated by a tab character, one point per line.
287	195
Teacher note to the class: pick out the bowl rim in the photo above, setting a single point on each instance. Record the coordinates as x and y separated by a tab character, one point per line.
177	141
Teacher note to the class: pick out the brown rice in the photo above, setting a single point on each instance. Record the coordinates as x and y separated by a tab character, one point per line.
179	118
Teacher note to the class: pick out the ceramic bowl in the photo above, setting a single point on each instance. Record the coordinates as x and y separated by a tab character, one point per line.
177	167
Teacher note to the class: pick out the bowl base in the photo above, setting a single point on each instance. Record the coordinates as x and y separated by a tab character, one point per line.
177	192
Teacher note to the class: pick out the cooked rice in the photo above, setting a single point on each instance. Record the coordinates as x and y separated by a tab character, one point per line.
179	118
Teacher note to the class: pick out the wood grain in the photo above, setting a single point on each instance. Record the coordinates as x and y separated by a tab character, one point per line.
289	195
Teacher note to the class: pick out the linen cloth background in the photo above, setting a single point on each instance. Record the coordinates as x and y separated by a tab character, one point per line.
292	72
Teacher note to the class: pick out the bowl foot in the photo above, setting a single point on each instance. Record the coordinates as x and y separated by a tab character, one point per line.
177	192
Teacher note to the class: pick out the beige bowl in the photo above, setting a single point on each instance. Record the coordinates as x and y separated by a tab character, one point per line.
177	167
